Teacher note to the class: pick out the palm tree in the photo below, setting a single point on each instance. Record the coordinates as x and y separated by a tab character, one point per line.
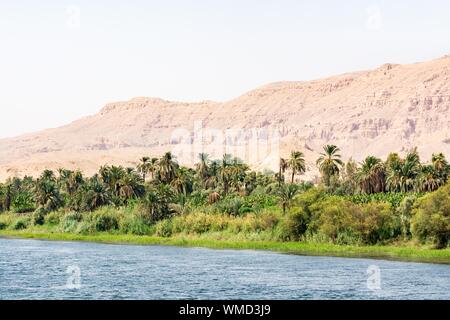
8	197
329	163
73	182
394	166
402	174
48	175
372	176
286	194
225	172
283	166
439	162
202	167
143	166
167	167
115	175
95	195
410	170
47	194
213	174
429	179
182	182
130	186
296	163
441	166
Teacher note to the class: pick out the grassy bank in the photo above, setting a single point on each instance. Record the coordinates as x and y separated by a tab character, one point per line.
403	253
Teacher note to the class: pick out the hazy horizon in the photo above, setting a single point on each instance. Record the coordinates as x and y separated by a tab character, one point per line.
63	60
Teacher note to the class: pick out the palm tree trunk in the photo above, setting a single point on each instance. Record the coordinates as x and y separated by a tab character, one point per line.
293	176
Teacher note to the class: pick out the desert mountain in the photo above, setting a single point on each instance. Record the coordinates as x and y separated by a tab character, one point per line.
392	108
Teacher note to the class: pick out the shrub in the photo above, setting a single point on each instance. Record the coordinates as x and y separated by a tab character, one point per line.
258	202
164	228
394	199
344	222
198	198
374	222
84	227
431	221
23	203
134	224
38	217
232	206
54	217
405	213
105	220
7	220
3	225
331	217
69	222
294	226
21	223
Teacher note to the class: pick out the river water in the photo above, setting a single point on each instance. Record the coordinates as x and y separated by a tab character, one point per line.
31	269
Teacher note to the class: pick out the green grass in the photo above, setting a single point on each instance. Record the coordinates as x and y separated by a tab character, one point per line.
406	253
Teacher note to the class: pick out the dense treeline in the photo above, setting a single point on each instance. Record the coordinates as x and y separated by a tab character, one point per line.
371	202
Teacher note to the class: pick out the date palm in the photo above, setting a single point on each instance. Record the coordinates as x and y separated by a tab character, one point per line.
429	179
167	167
144	167
296	163
130	186
283	166
95	195
203	167
286	194
225	172
329	163
47	194
441	166
394	166
372	176
182	182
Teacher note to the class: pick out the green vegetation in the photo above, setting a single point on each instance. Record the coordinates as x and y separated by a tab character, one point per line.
393	208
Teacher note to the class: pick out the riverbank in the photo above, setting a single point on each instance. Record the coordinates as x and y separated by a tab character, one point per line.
398	253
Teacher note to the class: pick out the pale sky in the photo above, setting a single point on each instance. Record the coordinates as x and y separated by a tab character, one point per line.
60	60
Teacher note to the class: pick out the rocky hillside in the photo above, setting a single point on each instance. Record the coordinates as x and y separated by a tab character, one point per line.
392	108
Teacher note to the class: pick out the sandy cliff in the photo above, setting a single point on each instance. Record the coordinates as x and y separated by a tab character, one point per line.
392	108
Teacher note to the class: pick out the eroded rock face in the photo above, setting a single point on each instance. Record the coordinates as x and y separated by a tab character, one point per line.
392	108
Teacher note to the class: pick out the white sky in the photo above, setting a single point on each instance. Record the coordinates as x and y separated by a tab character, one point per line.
60	60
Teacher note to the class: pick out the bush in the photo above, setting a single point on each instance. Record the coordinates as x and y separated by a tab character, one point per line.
84	227
374	222
431	221
23	203
6	220
69	222
105	220
38	217
294	226
233	206
164	228
21	223
258	202
344	222
394	199
405	213
196	223
54	217
134	224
